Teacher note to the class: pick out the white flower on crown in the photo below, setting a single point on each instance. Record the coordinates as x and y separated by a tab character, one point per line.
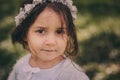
23	13
37	1
69	2
20	17
28	7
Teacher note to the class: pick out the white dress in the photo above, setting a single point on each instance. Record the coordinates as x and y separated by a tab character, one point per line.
65	70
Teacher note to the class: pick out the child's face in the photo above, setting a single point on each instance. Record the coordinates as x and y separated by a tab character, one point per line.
47	37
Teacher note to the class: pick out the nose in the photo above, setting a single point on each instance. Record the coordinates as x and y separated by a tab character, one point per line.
50	40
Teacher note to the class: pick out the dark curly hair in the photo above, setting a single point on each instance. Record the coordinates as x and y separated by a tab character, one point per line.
20	32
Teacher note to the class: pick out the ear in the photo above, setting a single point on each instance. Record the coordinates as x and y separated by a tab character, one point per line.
25	38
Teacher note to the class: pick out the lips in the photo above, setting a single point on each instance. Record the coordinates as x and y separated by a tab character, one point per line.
48	50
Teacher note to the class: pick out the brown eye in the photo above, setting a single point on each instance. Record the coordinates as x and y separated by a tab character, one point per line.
40	31
60	31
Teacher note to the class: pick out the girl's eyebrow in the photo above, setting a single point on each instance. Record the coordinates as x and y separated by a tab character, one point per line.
46	27
40	27
62	27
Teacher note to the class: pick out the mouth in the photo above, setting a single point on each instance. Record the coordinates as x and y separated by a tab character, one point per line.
49	50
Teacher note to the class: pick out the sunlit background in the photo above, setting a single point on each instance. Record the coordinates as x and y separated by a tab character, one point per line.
98	31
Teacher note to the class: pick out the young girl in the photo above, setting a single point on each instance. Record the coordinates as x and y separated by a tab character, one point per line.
45	28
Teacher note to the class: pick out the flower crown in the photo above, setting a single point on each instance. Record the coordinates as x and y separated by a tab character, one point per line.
23	13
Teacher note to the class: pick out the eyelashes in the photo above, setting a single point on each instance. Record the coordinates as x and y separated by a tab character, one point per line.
59	31
40	31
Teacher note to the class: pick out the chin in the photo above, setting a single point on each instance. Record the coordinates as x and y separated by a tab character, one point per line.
50	58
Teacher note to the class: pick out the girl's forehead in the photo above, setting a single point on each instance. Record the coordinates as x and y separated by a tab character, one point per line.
49	17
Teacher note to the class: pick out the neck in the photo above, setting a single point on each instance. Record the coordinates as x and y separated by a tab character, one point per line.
36	62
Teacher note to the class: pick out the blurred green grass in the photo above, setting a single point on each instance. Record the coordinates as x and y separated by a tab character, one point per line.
98	31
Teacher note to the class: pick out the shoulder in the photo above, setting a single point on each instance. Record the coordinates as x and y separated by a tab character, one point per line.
72	71
71	66
21	62
18	67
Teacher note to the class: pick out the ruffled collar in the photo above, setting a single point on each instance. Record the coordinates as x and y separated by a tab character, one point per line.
28	68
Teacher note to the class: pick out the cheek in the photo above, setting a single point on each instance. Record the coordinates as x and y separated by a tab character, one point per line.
62	44
34	41
37	42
